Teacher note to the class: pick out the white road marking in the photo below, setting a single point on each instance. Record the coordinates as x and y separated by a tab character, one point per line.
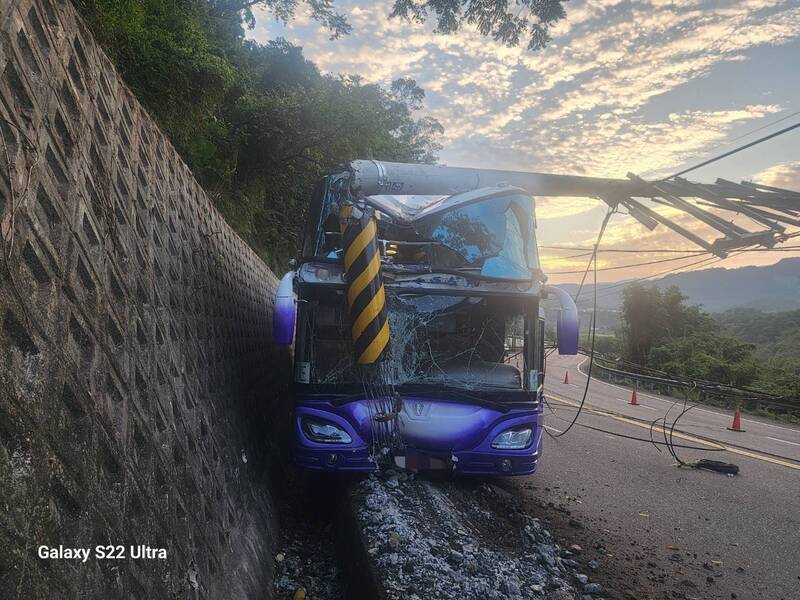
714	444
780	440
769	425
672	400
552	429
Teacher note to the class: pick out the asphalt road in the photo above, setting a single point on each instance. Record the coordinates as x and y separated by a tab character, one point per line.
664	531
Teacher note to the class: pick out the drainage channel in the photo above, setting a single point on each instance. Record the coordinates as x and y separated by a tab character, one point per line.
321	552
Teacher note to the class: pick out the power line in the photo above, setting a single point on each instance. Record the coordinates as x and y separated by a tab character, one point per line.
684	268
752	131
580	249
663	260
734	151
703	262
631	265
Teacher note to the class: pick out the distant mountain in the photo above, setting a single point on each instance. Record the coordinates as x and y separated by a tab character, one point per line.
770	289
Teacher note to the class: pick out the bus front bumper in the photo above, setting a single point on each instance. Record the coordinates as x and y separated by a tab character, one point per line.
436	435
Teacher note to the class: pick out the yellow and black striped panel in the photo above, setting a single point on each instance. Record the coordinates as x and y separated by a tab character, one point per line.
365	294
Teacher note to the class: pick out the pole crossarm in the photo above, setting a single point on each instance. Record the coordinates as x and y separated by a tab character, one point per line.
769	209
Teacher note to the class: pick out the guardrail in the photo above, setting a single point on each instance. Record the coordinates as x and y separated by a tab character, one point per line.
697	390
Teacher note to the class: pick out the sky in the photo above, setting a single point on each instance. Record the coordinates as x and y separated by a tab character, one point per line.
646	86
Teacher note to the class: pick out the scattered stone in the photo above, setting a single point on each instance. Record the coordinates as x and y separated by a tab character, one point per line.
576	548
582	579
592	588
279	557
572	564
593	564
511	587
456	557
394	540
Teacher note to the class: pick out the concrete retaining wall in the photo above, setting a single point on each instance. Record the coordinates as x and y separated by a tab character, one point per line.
134	339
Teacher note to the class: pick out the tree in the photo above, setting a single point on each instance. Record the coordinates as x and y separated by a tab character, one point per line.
503	20
651	316
642	320
258	124
662	332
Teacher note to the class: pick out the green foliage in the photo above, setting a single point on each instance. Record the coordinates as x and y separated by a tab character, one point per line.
776	337
503	20
604	344
706	356
650	316
741	347
258	124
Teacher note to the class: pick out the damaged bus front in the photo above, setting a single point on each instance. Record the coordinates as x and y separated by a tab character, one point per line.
419	339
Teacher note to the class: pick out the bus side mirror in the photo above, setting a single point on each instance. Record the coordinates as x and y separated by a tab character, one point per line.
284	312
567	329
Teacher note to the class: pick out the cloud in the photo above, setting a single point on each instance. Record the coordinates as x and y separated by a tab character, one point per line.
591	103
783	175
556	208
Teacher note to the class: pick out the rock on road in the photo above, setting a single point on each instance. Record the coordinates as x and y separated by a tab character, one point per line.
657	531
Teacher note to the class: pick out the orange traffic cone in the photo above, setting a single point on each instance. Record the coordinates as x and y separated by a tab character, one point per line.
566	377
634	397
737	421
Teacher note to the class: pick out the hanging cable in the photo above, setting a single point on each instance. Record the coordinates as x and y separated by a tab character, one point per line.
593	258
752	131
593	262
734	151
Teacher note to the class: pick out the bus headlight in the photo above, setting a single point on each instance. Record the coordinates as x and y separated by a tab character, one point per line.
325	432
513	439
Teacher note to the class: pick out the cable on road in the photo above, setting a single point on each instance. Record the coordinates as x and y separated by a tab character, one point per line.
632	437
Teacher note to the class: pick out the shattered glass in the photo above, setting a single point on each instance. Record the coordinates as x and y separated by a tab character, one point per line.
492	235
451	341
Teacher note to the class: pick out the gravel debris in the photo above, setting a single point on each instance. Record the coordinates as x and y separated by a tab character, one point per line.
437	540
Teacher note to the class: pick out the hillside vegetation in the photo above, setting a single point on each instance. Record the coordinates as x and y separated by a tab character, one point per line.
768	288
776	338
257	124
741	347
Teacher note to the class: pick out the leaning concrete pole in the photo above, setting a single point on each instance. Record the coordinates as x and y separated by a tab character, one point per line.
372	177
